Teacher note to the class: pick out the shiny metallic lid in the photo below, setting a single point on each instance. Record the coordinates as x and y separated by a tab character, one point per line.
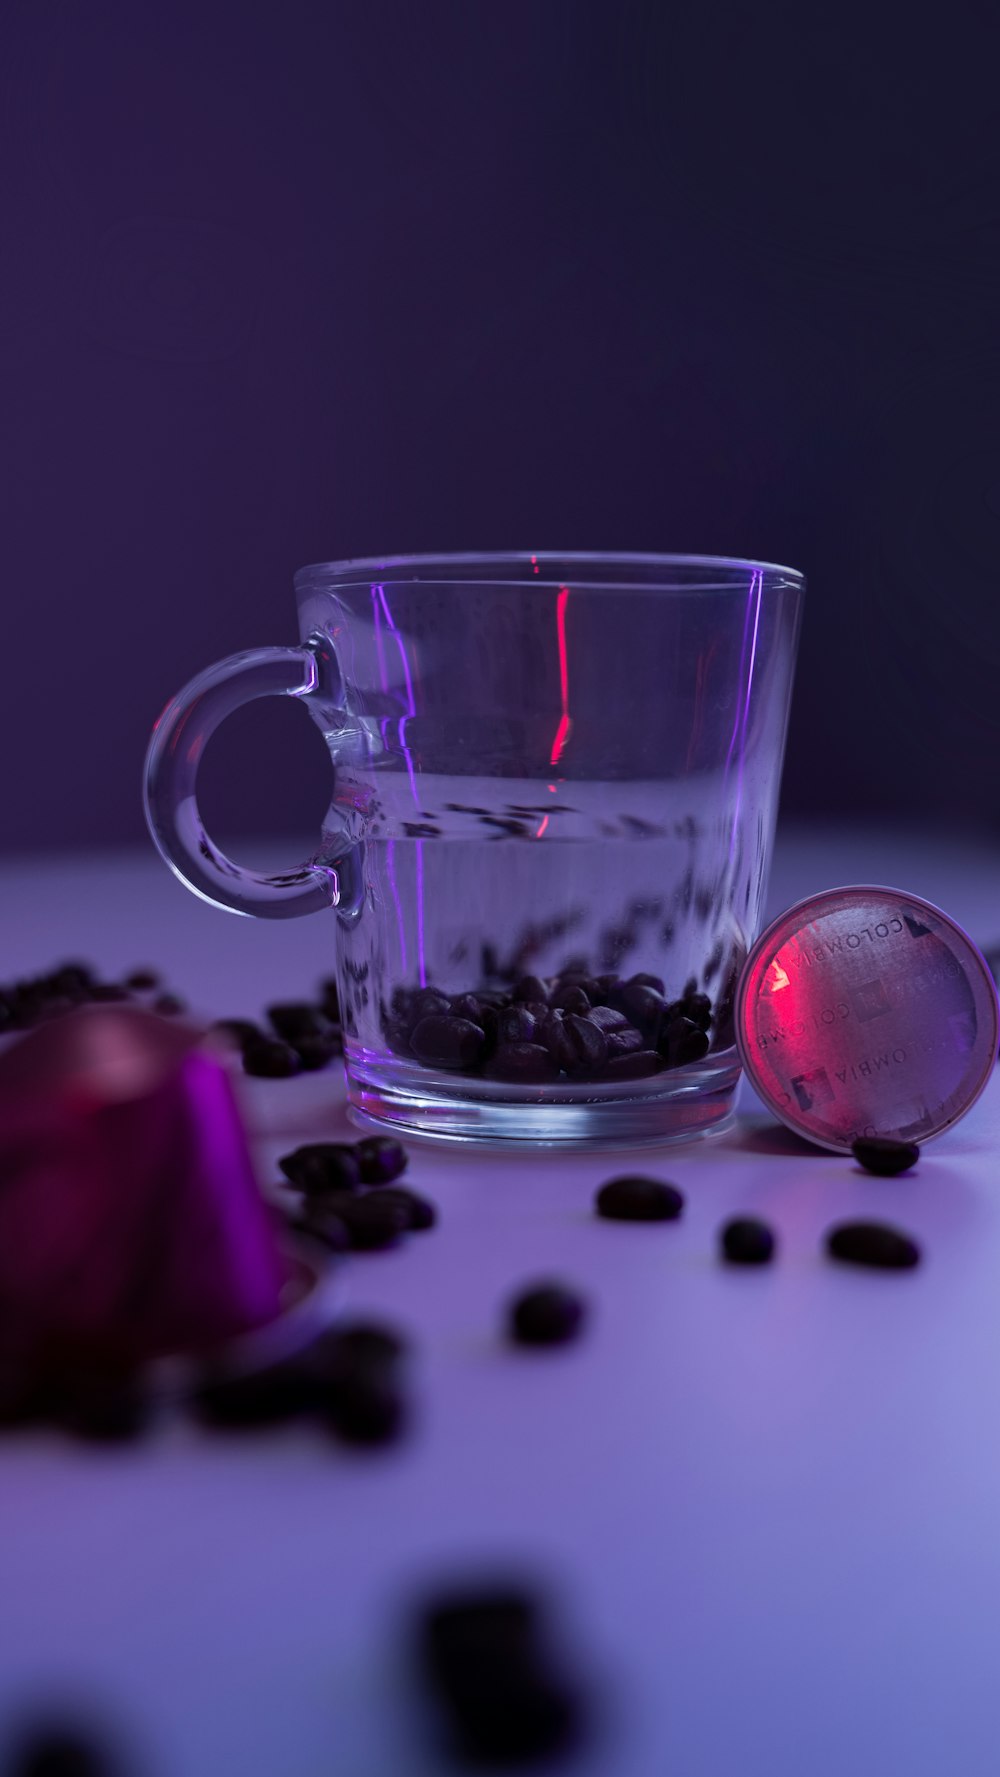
866	1011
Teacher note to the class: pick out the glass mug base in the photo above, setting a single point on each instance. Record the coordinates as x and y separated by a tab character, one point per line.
682	1106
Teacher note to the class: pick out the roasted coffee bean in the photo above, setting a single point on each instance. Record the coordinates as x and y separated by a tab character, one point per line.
643	1007
440	1041
525	1063
59	1750
381	1159
653	981
243	1401
473	1629
690	987
641	1064
885	1155
110	992
329	999
589	1044
553	1036
372	1223
873	1244
608	1019
76	979
323	1166
142	981
323	1224
427	1002
514	1718
169	1005
421	1213
468	1005
297	1018
397	1037
681	1042
531	990
633	1198
624	1042
746	1241
367	1407
270	1060
545	1314
515	1024
348	1343
697	1007
317	1052
570	998
239	1031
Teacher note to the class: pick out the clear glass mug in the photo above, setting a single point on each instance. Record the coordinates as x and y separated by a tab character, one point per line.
547	770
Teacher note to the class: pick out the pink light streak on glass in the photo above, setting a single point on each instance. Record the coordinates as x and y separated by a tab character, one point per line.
534	564
421	959
544	824
563	731
743	716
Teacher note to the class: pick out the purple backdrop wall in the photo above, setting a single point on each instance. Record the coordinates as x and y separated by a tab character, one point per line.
299	281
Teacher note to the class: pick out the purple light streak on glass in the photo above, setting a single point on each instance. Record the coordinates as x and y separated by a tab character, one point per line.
412	707
758	583
421	960
739	692
390	866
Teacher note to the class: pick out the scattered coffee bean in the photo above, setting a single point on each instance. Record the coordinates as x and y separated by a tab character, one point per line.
315	1053
367	1407
420	1211
142	981
873	1244
59	1750
324	1225
522	1063
546	1314
238	1030
270	1060
381	1159
447	1042
169	1005
107	1406
330	1000
372	1223
321	1167
746	1241
483	1655
885	1155
636	1199
347	1343
110	992
273	1395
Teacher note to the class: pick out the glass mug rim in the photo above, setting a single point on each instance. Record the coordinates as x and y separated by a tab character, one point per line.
585	566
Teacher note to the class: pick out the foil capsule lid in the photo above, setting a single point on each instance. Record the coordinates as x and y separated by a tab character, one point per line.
866	1011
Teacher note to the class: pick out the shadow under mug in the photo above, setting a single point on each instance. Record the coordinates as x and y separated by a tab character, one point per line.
553	774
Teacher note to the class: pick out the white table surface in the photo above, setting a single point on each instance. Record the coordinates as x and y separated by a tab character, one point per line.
769	1503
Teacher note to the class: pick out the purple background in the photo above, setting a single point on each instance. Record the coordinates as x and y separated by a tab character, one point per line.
291	282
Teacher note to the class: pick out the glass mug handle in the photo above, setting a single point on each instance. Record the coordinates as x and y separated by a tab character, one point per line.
172	760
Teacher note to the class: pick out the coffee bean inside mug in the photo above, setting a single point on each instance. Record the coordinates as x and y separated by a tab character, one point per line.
555	782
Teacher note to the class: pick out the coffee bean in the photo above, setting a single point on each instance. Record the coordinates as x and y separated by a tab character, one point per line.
427	1002
570	998
273	1395
607	1018
397	1037
690	987
381	1159
640	1065
653	981
624	1041
322	1224
238	1030
643	1007
524	1063
554	1037
373	1223
329	999
682	1042
589	1045
315	1053
58	1750
516	1025
142	981
873	1244
297	1018
347	1343
473	1629
367	1407
318	1168
514	1718
546	1314
885	1155
271	1060
111	993
697	1007
440	1041
633	1198
421	1213
746	1241
169	1005
468	1005
530	989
